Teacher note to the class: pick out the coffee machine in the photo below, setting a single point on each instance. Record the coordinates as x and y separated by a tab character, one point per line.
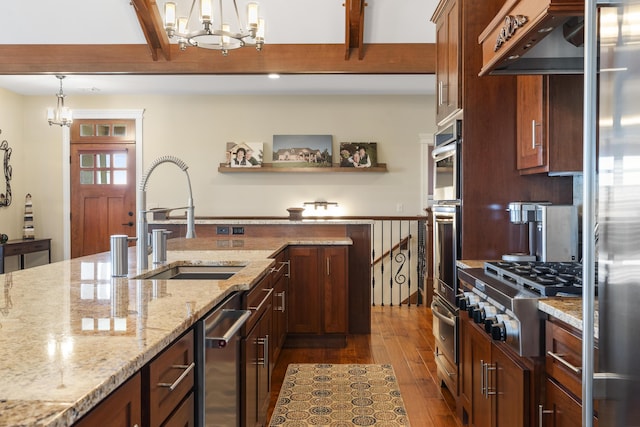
553	231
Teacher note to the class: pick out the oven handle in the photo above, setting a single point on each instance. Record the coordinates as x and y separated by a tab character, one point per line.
451	321
444	151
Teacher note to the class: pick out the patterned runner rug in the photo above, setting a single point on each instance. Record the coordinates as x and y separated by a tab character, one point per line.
339	396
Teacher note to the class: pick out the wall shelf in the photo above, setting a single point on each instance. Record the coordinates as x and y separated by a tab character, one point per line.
269	168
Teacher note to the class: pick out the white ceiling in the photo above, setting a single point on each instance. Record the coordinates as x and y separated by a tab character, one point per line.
299	21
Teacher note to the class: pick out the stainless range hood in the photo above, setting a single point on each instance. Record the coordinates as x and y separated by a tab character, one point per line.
534	37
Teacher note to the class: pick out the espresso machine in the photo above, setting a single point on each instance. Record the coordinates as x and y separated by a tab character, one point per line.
552	231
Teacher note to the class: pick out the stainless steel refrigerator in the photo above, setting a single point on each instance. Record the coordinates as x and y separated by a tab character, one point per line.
611	381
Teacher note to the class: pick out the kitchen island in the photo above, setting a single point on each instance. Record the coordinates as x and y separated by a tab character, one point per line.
70	334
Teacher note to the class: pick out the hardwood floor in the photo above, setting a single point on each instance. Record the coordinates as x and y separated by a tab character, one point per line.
401	336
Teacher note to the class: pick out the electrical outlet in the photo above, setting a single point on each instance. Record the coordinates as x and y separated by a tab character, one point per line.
399	207
222	230
237	230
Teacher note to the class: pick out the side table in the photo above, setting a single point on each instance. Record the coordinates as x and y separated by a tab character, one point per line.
21	247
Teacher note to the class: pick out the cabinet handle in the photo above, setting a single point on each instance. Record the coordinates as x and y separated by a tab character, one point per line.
541	412
482	377
328	266
490	391
533	134
268	291
265	343
559	357
449	374
281	306
282	264
187	369
440	88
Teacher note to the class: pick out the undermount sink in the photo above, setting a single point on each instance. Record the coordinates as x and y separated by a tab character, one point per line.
195	272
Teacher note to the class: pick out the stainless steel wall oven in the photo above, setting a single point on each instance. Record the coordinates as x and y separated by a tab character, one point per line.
446	249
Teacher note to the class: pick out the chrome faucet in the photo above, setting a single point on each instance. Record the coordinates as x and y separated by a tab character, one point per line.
142	249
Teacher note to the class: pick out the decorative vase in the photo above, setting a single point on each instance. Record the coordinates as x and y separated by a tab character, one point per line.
295	214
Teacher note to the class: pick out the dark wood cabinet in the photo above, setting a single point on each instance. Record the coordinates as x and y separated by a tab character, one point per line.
318	290
549	123
495	385
280	303
447	20
562	406
123	407
256	350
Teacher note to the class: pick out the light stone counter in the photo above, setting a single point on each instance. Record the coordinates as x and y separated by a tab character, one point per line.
260	221
70	334
569	310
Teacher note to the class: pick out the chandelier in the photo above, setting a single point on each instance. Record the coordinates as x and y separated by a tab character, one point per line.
61	115
217	34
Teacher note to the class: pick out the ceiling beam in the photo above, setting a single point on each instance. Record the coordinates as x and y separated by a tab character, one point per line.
354	33
153	28
408	58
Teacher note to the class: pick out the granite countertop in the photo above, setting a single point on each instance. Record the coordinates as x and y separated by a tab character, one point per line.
569	310
70	334
259	221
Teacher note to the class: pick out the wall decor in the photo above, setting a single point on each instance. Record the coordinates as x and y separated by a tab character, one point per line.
28	232
302	151
5	198
358	154
245	154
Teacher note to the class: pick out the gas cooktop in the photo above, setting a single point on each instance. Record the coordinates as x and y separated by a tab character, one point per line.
544	278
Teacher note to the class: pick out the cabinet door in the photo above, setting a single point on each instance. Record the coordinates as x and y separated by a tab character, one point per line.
250	392
530	116
123	408
280	311
447	61
480	358
264	367
508	386
561	410
335	293
304	291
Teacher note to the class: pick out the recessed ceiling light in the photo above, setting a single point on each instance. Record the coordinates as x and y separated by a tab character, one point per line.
274	76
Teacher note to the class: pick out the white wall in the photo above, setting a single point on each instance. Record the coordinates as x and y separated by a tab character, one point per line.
197	128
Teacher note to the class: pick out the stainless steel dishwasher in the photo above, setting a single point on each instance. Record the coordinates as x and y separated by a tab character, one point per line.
219	365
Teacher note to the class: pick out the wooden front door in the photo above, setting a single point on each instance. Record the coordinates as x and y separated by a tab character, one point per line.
103	198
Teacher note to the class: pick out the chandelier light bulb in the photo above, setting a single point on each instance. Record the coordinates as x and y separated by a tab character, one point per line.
252	15
170	15
206	11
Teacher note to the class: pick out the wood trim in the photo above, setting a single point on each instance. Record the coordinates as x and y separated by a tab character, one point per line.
408	58
354	32
153	28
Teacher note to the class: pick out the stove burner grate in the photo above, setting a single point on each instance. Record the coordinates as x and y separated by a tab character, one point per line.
544	278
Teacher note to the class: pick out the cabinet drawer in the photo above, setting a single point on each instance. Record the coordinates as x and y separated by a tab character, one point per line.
184	416
563	357
257	300
171	378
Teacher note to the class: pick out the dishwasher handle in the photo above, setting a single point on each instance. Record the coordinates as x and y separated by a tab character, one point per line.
239	318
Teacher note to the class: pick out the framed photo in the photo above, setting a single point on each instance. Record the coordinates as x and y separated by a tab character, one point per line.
245	154
298	151
358	154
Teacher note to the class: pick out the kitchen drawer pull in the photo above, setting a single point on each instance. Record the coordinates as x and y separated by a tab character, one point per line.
282	264
187	369
576	370
482	377
269	291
